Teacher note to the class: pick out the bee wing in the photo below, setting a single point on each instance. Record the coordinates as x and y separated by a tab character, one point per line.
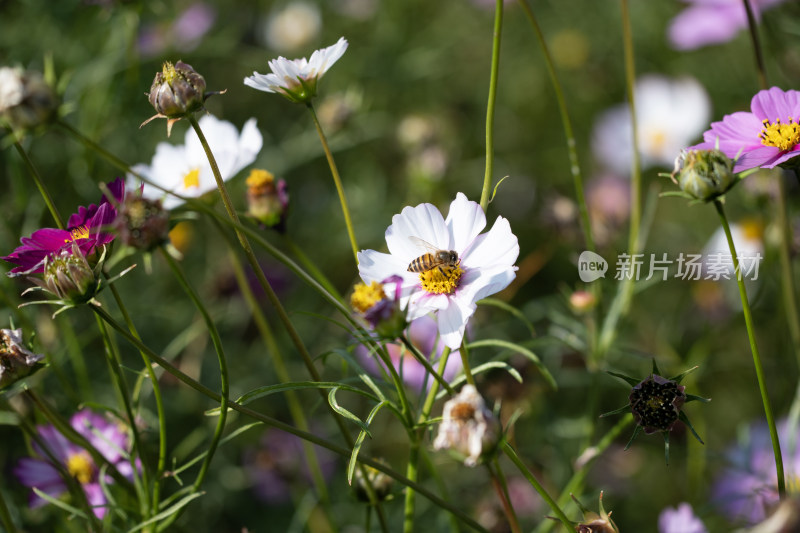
423	244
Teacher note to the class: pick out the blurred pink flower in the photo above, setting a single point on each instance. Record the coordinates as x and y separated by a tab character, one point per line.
706	22
680	520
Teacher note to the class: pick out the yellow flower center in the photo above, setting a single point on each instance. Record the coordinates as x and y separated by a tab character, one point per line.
192	179
81	232
657	139
259	179
441	280
781	136
80	467
365	296
169	72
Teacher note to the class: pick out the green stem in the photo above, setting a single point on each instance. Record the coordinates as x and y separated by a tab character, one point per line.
411	473
336	180
431	397
465	363
490	106
278	306
421	359
759	56
37	179
162	419
272	422
575	168
223	365
500	486
311	267
748	320
511	454
267	336
5	516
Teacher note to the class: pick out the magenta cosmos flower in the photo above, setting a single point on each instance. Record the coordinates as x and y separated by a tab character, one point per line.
765	137
446	265
105	436
84	227
707	22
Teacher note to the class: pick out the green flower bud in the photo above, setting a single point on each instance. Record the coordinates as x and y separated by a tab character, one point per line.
68	275
704	174
177	90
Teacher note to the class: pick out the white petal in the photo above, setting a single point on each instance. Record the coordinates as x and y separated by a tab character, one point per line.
421	303
453	322
498	246
488	282
465	221
424	222
260	82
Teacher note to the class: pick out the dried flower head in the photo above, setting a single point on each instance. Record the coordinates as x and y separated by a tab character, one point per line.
142	223
26	100
177	91
379	305
267	199
656	404
468	427
16	361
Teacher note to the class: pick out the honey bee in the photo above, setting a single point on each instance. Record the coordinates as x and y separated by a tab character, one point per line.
433	259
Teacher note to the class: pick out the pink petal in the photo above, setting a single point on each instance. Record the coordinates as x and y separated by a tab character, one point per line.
758	157
773	104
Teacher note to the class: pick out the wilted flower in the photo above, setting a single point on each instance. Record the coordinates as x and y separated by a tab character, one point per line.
656	403
766	137
105	436
419	237
26	100
680	520
293	26
468	427
380	482
88	228
704	174
381	310
267	199
185	170
747	489
142	223
16	361
707	22
670	113
423	334
296	79
177	92
593	522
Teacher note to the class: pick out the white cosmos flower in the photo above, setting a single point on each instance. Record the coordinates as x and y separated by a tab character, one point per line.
184	169
486	262
467	427
296	79
670	115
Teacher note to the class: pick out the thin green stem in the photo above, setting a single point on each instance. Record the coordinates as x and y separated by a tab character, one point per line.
37	179
511	454
162	419
490	106
748	320
759	56
411	473
223	365
431	397
336	180
272	422
500	486
465	363
5	516
575	168
421	359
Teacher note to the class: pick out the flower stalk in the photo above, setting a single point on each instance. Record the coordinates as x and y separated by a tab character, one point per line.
748	319
490	106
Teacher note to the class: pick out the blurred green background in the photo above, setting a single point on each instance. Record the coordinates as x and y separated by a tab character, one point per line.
404	110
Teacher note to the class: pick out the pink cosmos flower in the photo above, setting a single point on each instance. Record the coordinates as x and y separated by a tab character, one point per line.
680	520
766	137
106	437
707	22
84	227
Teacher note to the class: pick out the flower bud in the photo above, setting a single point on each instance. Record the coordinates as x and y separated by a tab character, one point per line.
704	174
142	223
582	302
468	428
267	201
26	100
381	312
177	90
68	276
593	522
16	361
656	403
